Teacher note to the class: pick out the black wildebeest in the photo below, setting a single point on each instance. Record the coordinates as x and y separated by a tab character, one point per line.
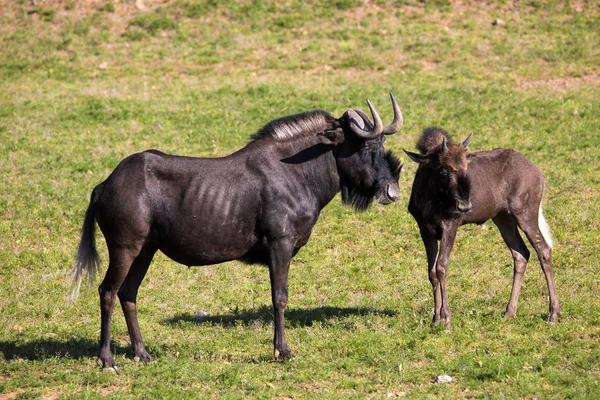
453	188
257	205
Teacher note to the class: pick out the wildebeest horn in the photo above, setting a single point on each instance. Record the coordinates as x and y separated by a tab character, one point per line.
397	122
444	145
465	143
370	133
365	117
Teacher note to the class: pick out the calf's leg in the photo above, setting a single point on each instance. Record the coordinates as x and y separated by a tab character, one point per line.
443	259
530	225
431	248
280	256
507	225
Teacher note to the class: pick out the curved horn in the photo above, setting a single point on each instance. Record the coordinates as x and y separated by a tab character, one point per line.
365	117
397	122
444	145
368	134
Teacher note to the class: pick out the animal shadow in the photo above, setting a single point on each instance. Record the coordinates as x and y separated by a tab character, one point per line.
80	348
44	349
294	317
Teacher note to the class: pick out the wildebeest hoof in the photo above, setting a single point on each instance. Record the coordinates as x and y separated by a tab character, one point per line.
107	364
509	314
447	325
284	354
145	357
552	318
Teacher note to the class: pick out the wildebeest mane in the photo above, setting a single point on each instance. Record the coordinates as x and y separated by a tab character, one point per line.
303	124
431	140
430	145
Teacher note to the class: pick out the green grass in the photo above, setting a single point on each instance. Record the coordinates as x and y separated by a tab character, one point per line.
84	86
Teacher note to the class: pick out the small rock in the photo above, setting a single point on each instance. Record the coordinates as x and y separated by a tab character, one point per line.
139	4
499	22
103	65
443	379
201	314
527	367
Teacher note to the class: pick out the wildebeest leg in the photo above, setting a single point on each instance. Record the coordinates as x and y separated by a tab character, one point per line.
280	255
118	267
127	296
508	228
431	248
529	225
441	270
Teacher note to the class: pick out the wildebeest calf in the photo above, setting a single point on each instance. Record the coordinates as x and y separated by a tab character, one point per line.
453	188
257	205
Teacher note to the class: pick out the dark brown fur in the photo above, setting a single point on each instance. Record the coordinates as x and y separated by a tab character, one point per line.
453	188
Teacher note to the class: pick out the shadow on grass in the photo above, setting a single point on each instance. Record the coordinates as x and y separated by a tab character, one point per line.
45	349
294	317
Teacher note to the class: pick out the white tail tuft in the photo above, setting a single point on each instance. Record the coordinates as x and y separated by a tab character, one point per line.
544	228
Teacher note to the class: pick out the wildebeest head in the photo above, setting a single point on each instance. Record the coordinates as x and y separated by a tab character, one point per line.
366	170
448	163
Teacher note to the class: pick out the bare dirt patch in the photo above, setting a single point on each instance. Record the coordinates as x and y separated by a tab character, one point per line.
558	83
10	396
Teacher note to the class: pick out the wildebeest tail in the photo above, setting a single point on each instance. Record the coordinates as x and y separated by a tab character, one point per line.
431	139
544	228
87	260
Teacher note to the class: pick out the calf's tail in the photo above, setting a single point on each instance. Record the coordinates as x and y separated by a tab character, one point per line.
87	260
544	228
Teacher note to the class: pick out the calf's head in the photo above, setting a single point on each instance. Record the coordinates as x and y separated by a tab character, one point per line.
448	165
365	169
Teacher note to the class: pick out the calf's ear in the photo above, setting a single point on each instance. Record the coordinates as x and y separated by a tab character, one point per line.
334	136
415	157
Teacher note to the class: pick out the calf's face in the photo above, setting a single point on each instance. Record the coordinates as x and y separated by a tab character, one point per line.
450	178
454	182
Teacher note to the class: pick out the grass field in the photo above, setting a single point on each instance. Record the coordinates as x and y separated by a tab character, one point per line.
84	84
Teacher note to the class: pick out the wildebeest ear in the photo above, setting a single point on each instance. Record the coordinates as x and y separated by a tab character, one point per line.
415	157
334	136
465	143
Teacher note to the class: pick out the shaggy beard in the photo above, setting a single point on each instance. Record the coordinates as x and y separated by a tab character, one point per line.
355	199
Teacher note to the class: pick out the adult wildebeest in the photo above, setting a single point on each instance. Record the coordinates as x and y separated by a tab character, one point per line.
453	188
257	205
